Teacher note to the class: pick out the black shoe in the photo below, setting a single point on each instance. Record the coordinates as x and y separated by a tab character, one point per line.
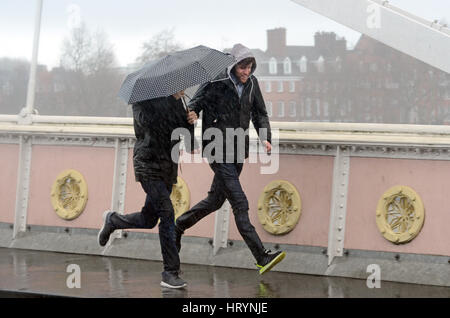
171	280
178	234
269	260
106	230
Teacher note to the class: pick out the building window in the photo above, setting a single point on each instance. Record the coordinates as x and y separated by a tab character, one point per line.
325	86
308	108
320	64
338	64
318	107
58	87
272	66
292	86
326	110
292	109
342	111
373	67
302	108
269	108
303	65
268	86
361	66
287	66
280	86
280	109
7	88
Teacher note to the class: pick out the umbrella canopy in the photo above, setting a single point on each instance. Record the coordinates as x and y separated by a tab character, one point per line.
173	73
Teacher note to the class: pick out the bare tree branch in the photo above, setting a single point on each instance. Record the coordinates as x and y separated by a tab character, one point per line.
159	45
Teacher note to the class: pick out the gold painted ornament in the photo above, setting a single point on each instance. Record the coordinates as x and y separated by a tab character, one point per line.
400	214
279	207
69	194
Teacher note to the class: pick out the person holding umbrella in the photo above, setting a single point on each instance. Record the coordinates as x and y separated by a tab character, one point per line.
156	92
228	104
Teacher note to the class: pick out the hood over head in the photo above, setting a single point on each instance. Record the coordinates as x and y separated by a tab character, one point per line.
241	52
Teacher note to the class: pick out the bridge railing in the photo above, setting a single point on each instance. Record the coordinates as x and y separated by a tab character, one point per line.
348	194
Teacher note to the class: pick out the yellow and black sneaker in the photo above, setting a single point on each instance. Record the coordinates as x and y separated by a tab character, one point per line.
270	260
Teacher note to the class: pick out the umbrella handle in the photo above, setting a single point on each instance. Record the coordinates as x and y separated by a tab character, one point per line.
185	105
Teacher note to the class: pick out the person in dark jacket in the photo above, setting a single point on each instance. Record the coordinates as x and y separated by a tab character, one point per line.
228	105
156	170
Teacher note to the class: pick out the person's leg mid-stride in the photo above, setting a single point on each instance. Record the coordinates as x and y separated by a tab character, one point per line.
157	206
226	185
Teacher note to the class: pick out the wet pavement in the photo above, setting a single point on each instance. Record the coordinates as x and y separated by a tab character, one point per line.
28	273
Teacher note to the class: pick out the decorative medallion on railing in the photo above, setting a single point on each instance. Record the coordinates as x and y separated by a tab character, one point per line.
279	207
69	194
180	197
400	214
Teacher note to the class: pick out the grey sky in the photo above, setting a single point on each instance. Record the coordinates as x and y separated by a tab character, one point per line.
218	24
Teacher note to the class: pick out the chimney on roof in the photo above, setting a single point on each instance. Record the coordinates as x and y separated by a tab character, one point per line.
329	44
276	42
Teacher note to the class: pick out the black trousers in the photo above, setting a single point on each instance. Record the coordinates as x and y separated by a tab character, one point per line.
157	206
226	185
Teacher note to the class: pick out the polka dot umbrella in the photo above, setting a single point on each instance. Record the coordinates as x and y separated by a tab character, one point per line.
173	73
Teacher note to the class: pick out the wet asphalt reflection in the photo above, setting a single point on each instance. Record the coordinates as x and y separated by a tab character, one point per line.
50	273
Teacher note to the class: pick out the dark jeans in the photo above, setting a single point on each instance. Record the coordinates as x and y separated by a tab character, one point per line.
157	206
225	185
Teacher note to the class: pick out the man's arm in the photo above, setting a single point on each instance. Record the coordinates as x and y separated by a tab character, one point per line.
198	103
142	114
259	116
188	133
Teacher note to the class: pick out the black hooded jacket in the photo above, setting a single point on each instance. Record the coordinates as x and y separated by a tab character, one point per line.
154	121
222	108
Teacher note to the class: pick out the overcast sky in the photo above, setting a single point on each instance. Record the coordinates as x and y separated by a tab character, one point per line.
214	23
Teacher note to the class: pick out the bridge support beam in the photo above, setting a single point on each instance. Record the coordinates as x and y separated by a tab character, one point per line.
119	183
23	185
338	204
221	226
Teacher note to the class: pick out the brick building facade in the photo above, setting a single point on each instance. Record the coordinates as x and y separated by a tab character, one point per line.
369	83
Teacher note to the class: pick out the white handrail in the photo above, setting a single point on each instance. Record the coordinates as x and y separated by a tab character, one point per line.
39	120
82	120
